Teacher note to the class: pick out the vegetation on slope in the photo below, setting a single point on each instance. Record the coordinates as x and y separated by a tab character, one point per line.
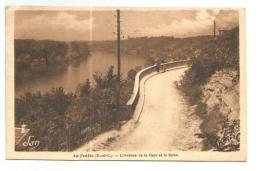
208	58
217	55
63	121
155	47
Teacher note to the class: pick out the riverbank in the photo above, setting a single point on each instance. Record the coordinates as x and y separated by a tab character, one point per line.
36	60
70	75
62	121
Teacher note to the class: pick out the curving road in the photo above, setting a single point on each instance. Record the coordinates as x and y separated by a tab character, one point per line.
165	122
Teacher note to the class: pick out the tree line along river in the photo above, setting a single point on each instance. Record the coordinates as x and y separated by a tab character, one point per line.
77	73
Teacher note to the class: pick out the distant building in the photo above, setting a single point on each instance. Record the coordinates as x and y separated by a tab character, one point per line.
222	31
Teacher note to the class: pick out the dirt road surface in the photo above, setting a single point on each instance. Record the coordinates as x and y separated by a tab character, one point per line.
166	122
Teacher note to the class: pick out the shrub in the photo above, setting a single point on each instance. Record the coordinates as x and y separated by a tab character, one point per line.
44	114
61	121
211	57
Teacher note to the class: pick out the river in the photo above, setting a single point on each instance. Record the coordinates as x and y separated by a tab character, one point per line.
77	73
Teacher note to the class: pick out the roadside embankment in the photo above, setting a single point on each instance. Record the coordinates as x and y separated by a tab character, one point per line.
220	110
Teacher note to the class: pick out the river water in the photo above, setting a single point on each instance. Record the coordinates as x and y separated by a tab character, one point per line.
76	73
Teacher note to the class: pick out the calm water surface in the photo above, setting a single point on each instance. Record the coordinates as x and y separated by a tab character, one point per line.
76	73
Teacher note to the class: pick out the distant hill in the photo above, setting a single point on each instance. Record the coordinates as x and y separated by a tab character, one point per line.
29	51
163	47
168	47
155	47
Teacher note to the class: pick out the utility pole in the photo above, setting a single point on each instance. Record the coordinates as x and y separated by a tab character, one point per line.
118	57
214	31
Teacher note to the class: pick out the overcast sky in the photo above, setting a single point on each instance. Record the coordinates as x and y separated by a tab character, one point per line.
100	25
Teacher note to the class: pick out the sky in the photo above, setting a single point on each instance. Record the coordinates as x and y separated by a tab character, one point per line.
86	25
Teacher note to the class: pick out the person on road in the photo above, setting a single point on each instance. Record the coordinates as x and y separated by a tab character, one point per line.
158	65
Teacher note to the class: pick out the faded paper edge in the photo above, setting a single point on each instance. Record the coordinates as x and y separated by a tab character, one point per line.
240	155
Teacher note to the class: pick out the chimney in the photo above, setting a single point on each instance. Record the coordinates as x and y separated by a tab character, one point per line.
23	128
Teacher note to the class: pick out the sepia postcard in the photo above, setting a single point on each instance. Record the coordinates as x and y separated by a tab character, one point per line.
162	84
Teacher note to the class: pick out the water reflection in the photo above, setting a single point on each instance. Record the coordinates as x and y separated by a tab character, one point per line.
77	72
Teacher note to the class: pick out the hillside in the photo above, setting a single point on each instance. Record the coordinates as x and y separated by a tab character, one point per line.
155	47
212	84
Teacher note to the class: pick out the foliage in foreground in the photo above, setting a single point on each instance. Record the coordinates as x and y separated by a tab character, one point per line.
62	121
